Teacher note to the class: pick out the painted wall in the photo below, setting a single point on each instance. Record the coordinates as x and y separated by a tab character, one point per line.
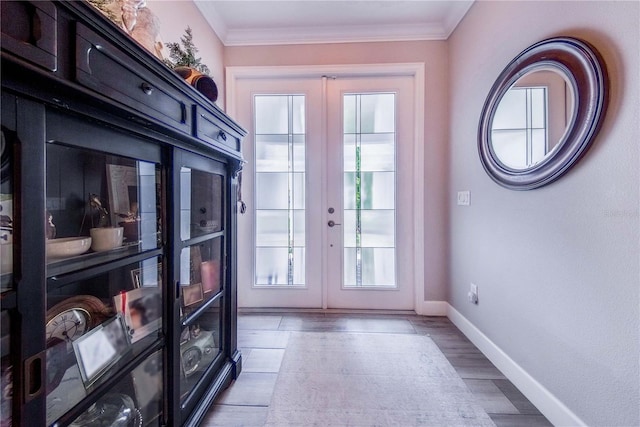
435	56
558	267
175	16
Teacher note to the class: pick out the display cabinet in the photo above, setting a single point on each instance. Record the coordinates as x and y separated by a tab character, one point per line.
118	200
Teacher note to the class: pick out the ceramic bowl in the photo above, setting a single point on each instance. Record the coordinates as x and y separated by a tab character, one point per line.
68	246
105	239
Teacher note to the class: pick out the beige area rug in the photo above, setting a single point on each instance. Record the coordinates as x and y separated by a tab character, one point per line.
358	379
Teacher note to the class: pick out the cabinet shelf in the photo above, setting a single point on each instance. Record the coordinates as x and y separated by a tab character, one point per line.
64	271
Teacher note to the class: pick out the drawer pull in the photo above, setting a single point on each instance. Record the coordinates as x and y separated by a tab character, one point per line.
146	88
222	135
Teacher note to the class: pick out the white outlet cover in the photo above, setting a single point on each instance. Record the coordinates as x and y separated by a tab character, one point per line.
464	198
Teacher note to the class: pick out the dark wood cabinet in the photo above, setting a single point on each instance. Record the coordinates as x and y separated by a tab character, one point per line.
118	202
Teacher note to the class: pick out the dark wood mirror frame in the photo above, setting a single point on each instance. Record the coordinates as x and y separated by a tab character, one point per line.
582	66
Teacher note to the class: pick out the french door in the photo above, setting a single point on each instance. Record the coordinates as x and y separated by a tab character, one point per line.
328	186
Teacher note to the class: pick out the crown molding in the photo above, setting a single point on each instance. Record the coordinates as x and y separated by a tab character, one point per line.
211	15
332	34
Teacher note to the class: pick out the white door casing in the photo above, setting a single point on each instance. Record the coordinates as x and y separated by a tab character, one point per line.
323	287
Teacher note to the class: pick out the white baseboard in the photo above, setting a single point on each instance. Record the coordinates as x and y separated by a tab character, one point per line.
432	308
552	408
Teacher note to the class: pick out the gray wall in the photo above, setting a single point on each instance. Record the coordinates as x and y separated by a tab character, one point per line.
557	267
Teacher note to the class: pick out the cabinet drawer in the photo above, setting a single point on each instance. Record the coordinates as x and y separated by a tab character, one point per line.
209	128
29	31
107	70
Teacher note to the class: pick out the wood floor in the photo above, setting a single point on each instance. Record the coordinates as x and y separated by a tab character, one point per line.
262	338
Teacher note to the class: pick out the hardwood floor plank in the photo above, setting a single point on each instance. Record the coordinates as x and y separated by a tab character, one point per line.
263	338
520	420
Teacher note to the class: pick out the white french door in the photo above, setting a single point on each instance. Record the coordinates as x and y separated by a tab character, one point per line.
369	193
329	191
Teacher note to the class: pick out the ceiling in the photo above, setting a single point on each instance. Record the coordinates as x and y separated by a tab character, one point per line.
268	22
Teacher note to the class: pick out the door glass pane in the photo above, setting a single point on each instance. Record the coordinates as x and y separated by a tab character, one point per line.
377	267
201	195
280	182
369	190
377	190
98	207
272	115
272	228
200	344
90	335
200	274
6	210
135	400
6	370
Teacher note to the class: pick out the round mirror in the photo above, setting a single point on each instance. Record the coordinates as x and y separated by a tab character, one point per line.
542	113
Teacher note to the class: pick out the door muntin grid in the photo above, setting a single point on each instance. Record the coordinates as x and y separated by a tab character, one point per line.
280	178
369	182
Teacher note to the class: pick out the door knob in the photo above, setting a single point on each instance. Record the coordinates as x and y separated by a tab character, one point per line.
332	223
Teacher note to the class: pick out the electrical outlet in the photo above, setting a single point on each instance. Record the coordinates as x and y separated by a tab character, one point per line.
473	294
464	198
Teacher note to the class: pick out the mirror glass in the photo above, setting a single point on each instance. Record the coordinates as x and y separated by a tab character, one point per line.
532	118
542	113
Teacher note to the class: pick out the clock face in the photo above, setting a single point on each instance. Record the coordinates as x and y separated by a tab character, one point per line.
191	359
69	324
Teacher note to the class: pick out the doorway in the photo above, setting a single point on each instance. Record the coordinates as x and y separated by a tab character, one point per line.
329	186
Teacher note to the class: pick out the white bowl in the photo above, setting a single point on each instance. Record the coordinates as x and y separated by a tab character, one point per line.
105	239
68	246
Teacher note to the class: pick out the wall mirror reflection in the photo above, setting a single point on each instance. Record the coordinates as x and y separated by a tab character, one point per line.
532	118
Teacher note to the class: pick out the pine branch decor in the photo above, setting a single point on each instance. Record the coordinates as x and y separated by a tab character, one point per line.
185	55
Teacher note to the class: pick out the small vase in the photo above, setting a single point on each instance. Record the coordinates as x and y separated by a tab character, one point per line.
105	239
203	83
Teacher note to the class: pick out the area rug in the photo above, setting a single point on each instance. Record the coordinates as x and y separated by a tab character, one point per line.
360	379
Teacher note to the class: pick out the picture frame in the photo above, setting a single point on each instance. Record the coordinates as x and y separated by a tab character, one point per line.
122	185
141	309
210	273
192	294
100	348
147	276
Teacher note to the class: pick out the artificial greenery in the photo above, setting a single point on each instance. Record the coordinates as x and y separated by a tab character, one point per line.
185	56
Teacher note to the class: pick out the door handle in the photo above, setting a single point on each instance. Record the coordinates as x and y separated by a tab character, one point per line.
332	223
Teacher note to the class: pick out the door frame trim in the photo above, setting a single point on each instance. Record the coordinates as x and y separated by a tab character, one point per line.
413	69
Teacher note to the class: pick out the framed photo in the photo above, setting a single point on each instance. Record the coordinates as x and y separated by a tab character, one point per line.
147	276
210	272
192	294
142	311
100	348
122	183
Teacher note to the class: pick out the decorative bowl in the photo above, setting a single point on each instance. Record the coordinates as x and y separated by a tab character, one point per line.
105	239
68	246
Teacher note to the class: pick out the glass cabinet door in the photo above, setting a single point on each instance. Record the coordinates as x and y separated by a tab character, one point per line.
201	273
8	139
105	281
